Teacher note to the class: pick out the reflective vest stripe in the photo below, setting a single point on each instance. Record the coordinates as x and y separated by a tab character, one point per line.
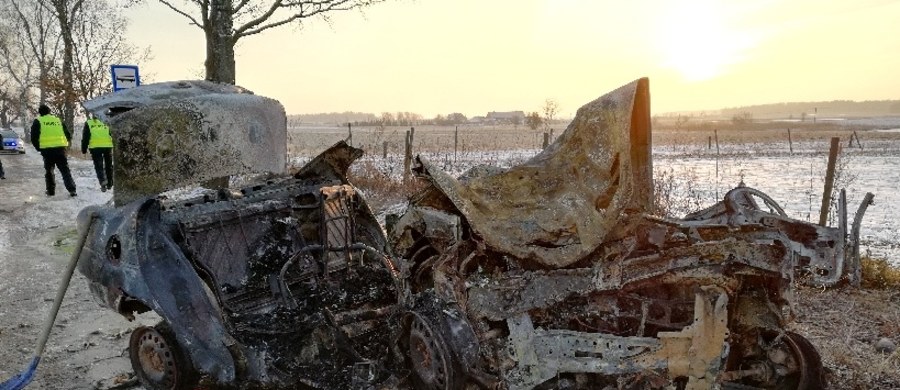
52	135
100	137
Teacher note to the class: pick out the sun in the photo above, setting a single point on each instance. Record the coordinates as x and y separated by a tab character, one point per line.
697	41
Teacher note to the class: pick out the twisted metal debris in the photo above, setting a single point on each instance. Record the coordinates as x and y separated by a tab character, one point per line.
551	274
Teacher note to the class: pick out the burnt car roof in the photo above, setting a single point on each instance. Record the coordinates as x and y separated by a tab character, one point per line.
172	134
559	205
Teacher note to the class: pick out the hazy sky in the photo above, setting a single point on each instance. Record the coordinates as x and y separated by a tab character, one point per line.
473	56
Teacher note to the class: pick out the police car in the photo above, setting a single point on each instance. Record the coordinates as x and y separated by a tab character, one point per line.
12	142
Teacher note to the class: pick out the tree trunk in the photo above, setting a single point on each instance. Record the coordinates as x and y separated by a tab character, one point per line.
65	27
23	116
219	56
4	117
220	65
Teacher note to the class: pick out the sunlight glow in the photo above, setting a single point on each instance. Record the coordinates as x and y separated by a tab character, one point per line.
698	40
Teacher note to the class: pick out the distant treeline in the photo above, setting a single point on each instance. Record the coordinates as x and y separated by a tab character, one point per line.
833	108
367	119
332	118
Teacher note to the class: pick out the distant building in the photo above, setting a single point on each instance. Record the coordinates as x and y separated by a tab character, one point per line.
506	116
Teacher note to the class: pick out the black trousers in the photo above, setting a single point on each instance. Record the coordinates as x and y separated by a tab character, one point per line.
103	165
56	158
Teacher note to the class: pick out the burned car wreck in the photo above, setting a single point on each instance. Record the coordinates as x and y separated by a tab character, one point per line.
285	282
551	274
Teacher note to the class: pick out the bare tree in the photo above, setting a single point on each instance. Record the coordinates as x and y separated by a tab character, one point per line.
516	121
387	119
58	52
533	120
27	58
224	22
67	13
98	45
551	108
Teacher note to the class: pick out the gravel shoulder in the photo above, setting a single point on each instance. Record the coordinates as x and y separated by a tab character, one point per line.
37	235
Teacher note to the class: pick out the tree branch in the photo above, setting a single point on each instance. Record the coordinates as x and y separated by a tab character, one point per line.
240	31
182	13
306	9
240	6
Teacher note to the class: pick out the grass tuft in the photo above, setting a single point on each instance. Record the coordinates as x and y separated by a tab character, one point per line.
879	274
380	189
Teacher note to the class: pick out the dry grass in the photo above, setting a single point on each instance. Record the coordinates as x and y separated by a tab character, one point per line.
381	190
844	325
879	274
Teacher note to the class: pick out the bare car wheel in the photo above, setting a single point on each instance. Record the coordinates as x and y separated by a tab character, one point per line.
431	361
809	373
157	360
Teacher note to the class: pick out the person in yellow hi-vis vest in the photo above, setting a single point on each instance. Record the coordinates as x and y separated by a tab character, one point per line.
50	136
96	137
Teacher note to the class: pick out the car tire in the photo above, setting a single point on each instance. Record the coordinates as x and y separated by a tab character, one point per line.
158	361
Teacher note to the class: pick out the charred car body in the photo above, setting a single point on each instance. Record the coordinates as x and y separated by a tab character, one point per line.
551	274
283	283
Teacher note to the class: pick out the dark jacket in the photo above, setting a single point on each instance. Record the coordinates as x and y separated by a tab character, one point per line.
36	134
85	137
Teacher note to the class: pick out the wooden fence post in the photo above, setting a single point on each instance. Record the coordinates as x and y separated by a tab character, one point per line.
829	180
455	142
384	151
349	135
716	134
852	136
546	140
407	155
790	142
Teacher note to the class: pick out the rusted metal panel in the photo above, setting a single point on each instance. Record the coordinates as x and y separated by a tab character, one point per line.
559	206
173	134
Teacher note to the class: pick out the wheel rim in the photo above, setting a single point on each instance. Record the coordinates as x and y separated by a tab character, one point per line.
428	355
810	371
153	358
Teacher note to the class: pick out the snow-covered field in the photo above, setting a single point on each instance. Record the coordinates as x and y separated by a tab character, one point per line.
795	182
793	178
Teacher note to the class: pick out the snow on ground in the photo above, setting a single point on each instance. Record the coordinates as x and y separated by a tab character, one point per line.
884	122
794	180
45	212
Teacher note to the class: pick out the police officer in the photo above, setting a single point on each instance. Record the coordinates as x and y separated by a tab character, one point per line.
51	137
95	137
